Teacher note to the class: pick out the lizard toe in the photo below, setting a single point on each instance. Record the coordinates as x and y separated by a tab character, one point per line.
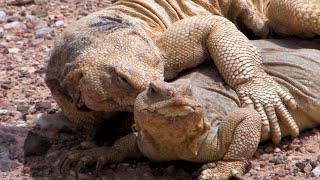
274	125
287	119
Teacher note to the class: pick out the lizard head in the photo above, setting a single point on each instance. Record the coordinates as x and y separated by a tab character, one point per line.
170	111
105	65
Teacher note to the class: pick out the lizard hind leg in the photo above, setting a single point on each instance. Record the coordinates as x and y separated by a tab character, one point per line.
239	137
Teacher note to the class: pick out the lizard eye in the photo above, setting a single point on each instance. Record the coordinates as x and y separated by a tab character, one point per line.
123	80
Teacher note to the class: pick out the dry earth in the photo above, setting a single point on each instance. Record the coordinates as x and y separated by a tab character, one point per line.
34	135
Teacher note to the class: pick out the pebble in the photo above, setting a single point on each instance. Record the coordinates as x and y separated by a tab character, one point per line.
316	171
4	112
3	16
23	108
29	117
14	18
22	124
1	32
268	149
18	2
124	164
42	32
43	106
39	12
307	169
278	160
33	22
12	25
59	23
37	41
13	50
171	170
40	2
277	150
6	86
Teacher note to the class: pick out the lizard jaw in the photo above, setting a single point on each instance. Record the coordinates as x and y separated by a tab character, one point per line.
175	107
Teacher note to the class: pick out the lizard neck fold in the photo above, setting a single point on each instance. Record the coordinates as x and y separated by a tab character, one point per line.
156	16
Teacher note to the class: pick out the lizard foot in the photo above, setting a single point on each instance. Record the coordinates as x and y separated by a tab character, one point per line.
81	158
224	170
124	147
267	97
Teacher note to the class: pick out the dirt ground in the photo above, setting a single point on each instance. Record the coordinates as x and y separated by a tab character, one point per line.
29	114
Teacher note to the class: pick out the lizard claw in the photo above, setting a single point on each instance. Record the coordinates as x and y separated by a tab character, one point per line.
98	168
78	167
61	164
268	98
66	166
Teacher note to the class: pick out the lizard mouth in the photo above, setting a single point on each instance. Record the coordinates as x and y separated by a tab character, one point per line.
175	107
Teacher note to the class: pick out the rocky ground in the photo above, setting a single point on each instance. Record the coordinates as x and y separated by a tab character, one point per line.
34	135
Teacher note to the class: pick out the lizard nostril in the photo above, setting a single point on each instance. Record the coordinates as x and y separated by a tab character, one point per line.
151	91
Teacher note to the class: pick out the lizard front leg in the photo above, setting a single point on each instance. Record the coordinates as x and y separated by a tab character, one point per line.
191	41
238	139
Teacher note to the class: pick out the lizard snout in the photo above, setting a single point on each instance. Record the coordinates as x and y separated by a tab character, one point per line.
178	88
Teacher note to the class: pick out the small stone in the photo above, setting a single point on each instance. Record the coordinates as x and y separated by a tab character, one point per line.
307	169
3	16
316	171
37	41
83	12
278	160
39	12
310	150
51	17
112	166
59	23
42	32
4	112
277	150
18	2
1	32
13	50
23	108
5	51
12	25
40	2
43	106
33	22
170	170
13	19
268	149
29	117
35	144
124	164
6	86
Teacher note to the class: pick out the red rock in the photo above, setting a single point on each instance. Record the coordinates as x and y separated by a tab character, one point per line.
6	86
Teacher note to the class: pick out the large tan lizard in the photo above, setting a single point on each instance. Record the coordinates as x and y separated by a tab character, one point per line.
197	117
102	61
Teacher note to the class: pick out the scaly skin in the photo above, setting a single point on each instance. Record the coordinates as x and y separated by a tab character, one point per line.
197	117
